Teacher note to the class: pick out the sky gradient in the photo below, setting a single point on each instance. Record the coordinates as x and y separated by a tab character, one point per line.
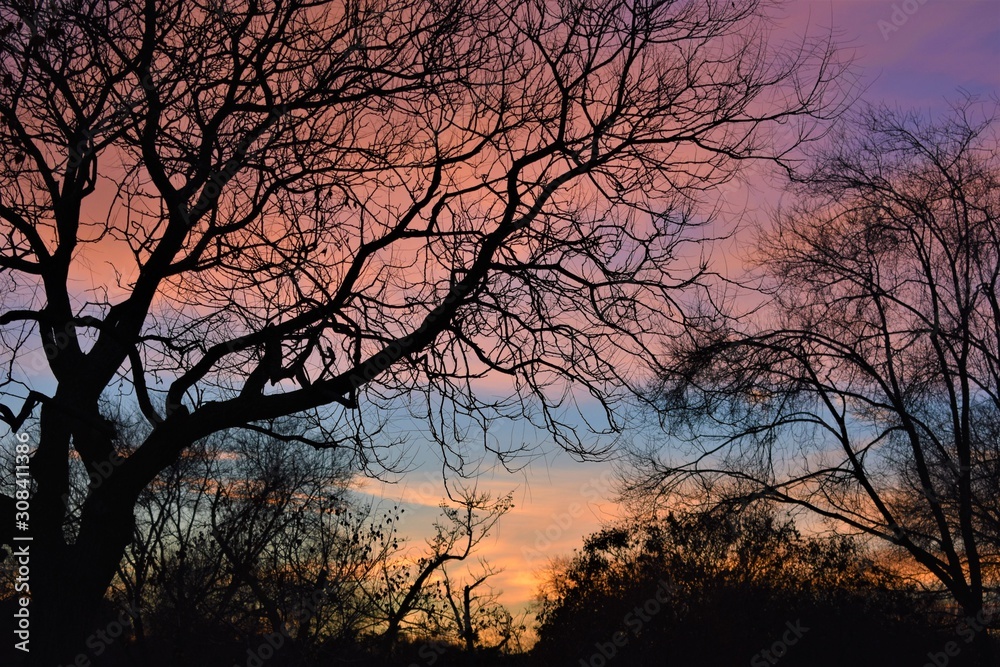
910	54
917	55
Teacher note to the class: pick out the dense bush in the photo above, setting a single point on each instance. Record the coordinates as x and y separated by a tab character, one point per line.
721	588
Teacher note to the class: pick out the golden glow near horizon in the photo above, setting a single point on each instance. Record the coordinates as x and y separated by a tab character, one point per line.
910	64
905	61
554	507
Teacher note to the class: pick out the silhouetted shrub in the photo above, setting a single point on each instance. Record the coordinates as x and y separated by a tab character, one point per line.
722	588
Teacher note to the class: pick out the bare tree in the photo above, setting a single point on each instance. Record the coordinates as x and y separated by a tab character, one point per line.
867	390
247	210
249	527
169	535
474	612
404	590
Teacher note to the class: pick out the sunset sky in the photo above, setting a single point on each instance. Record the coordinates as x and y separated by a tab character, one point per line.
915	55
286	282
912	55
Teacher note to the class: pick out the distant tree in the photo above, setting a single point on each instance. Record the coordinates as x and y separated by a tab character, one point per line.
405	590
473	611
238	539
867	389
247	210
718	588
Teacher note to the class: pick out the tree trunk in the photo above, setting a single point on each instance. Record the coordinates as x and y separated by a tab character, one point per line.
69	584
982	647
69	579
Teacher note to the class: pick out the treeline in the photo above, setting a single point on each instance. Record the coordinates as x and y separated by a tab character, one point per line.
253	549
245	555
738	585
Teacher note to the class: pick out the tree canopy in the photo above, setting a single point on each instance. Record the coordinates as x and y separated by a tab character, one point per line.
242	211
866	390
733	585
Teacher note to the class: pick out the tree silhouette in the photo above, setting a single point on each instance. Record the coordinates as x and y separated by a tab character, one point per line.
247	536
868	390
719	587
247	210
456	535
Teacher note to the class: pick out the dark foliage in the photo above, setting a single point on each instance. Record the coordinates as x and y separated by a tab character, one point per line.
720	588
